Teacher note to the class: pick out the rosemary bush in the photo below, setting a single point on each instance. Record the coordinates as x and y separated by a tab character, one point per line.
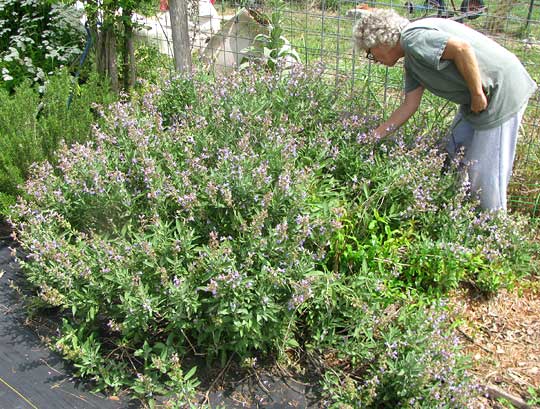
34	124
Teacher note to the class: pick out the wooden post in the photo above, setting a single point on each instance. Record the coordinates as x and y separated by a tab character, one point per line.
180	35
128	51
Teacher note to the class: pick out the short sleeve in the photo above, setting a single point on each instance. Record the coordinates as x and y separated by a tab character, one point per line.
410	82
425	45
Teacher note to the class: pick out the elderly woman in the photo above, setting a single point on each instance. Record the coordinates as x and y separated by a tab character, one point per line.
461	65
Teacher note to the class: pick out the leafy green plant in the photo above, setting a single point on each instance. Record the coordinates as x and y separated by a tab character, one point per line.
273	48
406	354
534	396
151	65
246	215
36	38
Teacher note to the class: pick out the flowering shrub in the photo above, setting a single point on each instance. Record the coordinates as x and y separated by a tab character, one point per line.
35	39
400	354
414	223
247	215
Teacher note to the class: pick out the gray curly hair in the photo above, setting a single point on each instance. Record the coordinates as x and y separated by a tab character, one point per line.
376	27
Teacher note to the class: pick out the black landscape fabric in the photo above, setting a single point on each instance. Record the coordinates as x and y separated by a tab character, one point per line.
31	376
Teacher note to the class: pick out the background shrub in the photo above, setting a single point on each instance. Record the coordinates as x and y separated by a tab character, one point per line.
34	124
37	37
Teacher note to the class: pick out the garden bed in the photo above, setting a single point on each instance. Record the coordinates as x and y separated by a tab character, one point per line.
255	219
501	333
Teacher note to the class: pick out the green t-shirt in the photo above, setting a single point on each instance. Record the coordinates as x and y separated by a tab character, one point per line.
505	81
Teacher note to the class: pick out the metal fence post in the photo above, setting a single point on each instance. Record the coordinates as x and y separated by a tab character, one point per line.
529	14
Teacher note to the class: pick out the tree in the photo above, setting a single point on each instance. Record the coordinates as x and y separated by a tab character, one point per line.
180	35
112	28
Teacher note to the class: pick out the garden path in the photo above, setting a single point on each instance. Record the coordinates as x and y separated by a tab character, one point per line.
502	334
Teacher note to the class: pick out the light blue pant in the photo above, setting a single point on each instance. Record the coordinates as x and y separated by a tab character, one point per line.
488	157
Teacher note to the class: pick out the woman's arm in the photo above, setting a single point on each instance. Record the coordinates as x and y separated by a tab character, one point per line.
402	113
462	54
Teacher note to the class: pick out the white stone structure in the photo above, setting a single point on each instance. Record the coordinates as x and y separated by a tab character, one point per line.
157	30
226	49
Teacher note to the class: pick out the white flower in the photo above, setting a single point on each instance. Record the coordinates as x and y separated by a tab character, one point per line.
5	74
13	54
40	74
52	54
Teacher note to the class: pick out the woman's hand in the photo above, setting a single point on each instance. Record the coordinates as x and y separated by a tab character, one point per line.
479	103
407	108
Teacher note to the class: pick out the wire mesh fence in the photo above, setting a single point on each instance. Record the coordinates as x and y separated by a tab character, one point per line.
320	31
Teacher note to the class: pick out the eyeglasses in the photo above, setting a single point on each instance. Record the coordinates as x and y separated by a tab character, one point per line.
370	56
